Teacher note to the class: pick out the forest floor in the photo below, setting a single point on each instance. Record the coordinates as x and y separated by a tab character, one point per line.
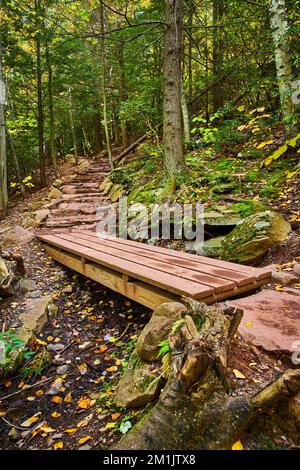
98	330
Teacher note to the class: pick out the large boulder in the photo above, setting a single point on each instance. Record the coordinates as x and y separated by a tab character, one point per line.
83	166
158	329
139	385
18	236
54	193
250	239
3	271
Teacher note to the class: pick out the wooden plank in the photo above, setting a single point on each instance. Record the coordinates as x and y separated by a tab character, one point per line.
235	276
138	291
143	273
220	285
259	273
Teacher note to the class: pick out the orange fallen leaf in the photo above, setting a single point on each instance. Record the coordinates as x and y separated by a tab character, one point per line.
112	369
39	393
115	416
56	399
237	446
84	403
68	398
58	445
55	414
71	430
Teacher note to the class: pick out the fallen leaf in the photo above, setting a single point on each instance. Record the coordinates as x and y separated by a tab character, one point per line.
115	416
50	338
82	368
68	398
84	422
39	393
30	398
110	425
237	445
57	400
8	383
125	426
249	323
238	374
30	421
58	445
71	430
83	440
112	369
55	414
84	403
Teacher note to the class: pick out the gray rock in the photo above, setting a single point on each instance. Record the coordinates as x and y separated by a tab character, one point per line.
55	347
67	290
296	269
27	285
85	447
61	370
18	235
58	361
35	294
284	278
138	386
158	329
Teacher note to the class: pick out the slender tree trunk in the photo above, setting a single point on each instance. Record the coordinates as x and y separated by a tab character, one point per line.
3	162
98	134
103	87
40	95
279	27
172	126
73	125
218	94
16	162
190	51
51	112
123	96
185	117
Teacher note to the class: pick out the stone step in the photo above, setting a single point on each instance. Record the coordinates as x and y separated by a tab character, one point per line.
70	189
72	220
94	177
84	197
71	209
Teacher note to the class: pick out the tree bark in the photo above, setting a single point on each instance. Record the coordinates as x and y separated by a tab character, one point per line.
51	112
103	86
3	157
123	95
185	117
172	125
280	27
16	162
195	410
40	116
218	93
72	124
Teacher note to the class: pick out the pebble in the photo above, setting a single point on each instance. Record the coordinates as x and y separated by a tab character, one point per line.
61	370
57	436
296	269
58	361
67	290
55	347
14	434
35	294
85	447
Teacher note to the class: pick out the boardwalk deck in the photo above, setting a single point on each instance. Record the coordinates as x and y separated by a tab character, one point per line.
151	275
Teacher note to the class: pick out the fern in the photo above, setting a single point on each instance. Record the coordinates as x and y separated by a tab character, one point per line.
164	349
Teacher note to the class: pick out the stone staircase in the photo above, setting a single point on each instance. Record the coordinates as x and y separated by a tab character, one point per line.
80	196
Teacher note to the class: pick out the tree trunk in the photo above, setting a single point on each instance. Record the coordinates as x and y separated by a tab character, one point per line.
51	113
123	95
218	94
185	117
40	94
172	126
279	27
98	134
103	86
3	162
16	162
72	124
195	410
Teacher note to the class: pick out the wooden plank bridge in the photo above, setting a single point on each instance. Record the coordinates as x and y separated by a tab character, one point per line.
151	275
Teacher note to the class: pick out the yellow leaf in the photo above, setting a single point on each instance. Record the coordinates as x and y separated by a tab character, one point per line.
276	155
237	446
58	445
68	398
250	323
112	369
50	338
8	383
279	288
110	425
55	414
83	440
56	399
30	398
46	429
42	343
39	393
238	374
84	403
31	420
71	430
264	144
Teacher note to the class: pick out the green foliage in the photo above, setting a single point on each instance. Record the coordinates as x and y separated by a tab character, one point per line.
36	365
177	325
12	349
246	208
164	348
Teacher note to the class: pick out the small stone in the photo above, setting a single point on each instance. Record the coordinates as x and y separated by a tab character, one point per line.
85	447
296	269
55	387
283	278
55	347
61	370
14	434
58	361
57	436
27	285
84	345
35	294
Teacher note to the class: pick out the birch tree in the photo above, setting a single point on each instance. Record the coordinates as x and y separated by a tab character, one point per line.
3	164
